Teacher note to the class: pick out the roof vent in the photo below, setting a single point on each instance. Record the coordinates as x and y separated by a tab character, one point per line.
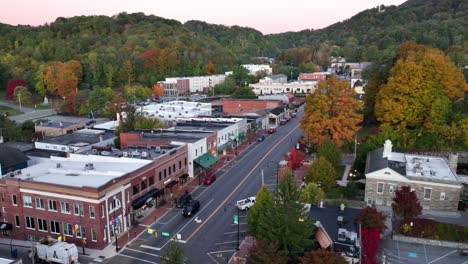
58	165
89	166
125	154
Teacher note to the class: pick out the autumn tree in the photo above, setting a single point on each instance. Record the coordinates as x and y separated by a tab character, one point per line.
263	252
174	254
58	78
422	87
331	112
370	244
22	94
210	68
295	159
312	194
11	86
158	91
330	151
406	204
370	218
322	256
323	173
137	93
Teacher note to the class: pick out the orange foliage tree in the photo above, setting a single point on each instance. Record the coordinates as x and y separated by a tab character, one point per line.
158	91
331	112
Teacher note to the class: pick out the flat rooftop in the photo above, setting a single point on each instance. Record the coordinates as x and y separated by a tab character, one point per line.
143	153
172	135
56	124
428	167
174	109
75	170
88	136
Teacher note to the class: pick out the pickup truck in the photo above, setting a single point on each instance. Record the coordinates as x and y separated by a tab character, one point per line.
246	203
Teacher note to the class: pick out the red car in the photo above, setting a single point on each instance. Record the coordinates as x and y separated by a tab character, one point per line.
282	122
210	179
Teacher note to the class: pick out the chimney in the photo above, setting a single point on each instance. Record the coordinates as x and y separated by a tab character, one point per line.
100	138
387	153
453	162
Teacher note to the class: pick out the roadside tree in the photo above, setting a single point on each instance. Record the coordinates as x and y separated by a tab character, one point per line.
174	254
258	214
330	151
322	173
311	193
406	204
331	112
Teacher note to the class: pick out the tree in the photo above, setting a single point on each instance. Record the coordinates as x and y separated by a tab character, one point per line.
295	159
370	218
312	194
258	213
137	93
11	86
174	254
421	88
67	77
331	112
322	256
330	151
266	253
406	204
158	91
321	172
22	93
286	224
244	93
143	122
370	244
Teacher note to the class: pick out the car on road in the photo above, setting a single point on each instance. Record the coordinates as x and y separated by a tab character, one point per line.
261	138
288	118
184	200
272	129
191	208
246	203
210	179
282	122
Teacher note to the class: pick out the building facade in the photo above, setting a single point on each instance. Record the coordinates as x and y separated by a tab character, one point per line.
435	183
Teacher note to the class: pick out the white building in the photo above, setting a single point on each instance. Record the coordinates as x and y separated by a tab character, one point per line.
175	109
198	84
280	88
255	68
277	78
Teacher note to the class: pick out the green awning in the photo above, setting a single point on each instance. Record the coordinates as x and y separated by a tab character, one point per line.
222	147
206	160
241	135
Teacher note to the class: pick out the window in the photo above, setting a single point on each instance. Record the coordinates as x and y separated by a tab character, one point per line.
40	203
91	212
79	209
17	221
180	164
13	198
42	224
427	193
160	176
380	187
151	180
80	230
442	196
391	189
143	185
30	223
165	174
173	167
93	234
185	162
170	170
67	229
115	204
52	205
369	201
65	207
2	199
54	227
27	201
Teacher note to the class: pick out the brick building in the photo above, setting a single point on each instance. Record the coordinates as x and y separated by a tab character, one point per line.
435	183
85	196
248	105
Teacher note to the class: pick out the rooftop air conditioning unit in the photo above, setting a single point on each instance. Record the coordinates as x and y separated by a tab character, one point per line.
125	154
18	172
58	165
89	166
144	154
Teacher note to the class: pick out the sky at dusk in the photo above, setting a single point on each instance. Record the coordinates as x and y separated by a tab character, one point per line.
271	16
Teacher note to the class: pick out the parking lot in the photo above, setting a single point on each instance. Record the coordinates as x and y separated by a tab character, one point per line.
396	252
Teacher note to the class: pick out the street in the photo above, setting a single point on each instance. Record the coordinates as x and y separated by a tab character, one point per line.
210	236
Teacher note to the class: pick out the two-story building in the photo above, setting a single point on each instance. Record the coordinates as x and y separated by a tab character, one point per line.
434	181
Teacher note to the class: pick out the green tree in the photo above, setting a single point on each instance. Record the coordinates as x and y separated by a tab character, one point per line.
98	101
311	193
287	224
322	172
22	93
174	254
330	151
331	112
244	93
143	122
258	213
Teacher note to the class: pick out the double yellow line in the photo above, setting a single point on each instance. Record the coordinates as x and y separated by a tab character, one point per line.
238	186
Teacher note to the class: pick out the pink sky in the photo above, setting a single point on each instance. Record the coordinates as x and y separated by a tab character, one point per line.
271	16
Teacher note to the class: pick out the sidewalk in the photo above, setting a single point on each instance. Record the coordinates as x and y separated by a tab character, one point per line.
241	255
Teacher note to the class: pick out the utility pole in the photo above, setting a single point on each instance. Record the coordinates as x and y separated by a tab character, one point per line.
238	230
19	101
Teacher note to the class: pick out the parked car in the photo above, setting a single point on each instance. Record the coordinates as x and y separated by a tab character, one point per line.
210	179
184	200
191	208
288	118
282	122
272	130
261	138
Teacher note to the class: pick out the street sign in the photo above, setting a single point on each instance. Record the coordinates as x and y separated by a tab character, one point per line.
236	219
150	230
117	221
179	236
165	234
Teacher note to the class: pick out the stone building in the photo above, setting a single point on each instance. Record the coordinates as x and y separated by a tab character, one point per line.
435	183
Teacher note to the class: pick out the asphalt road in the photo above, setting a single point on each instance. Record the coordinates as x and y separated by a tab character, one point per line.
214	238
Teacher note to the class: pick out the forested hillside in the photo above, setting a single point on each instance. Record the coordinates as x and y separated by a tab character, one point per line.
129	49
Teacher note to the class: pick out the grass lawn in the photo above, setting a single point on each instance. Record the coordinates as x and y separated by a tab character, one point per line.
10	111
339	171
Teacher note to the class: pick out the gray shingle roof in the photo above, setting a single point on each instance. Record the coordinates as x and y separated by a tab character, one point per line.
11	156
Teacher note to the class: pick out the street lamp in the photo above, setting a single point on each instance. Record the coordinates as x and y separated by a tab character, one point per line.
355	145
238	230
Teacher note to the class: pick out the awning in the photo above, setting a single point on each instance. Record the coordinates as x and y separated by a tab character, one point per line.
206	160
240	135
5	226
140	201
183	176
171	184
322	238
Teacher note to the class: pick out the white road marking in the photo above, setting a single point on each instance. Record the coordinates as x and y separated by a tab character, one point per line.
139	259
149	247
233	232
439	258
220	243
140	251
144	225
221	251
